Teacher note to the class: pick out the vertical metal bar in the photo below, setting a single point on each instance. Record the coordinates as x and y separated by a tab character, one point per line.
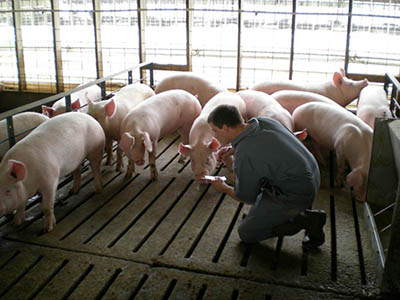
239	52
141	4
151	74
19	51
189	21
68	103
292	40
103	89
97	37
349	20
10	130
130	80
55	20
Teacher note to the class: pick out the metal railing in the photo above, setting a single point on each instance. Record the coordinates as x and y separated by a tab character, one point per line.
8	115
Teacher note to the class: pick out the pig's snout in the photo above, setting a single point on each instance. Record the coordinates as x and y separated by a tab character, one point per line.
139	162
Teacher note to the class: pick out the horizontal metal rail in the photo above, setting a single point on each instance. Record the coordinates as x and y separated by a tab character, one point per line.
101	81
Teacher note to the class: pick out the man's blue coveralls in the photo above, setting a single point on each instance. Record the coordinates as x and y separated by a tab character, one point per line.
268	154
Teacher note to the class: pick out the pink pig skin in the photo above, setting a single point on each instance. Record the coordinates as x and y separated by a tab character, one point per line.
373	103
159	116
193	83
341	89
290	100
203	146
262	104
78	99
23	123
110	114
335	128
51	151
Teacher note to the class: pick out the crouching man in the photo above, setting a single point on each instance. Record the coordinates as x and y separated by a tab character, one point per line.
274	173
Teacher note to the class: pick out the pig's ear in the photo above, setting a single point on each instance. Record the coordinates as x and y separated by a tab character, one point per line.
48	111
76	104
126	142
89	101
342	72
147	142
110	108
184	149
16	169
337	79
301	135
214	145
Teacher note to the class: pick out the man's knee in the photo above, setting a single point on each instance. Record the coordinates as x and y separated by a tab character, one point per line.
250	235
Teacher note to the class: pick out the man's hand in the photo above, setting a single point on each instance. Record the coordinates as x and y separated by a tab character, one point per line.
224	152
218	183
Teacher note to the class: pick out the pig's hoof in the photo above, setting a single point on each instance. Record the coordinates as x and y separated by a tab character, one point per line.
49	224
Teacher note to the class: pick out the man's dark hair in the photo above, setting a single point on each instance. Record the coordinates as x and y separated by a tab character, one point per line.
225	114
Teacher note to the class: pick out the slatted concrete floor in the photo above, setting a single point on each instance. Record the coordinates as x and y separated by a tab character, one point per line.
173	239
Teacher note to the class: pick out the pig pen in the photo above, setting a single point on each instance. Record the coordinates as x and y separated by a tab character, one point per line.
173	239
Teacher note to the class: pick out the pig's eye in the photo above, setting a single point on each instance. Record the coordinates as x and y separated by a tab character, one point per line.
8	192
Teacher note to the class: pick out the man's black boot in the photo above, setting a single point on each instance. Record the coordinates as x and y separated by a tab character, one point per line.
313	221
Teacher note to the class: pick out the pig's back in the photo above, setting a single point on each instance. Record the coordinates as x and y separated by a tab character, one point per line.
271	87
167	111
23	123
131	95
372	95
324	121
192	83
64	141
225	98
290	100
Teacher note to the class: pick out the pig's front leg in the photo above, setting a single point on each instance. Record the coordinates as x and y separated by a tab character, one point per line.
109	152
48	196
130	170
152	163
120	162
19	216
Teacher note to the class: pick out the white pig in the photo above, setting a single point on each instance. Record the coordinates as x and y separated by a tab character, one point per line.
373	103
193	83
78	99
203	146
335	128
23	124
159	116
291	99
262	104
340	89
54	149
110	114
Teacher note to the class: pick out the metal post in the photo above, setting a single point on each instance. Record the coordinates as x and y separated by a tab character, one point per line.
19	51
239	52
141	4
55	19
292	40
189	18
10	130
97	37
346	55
68	103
